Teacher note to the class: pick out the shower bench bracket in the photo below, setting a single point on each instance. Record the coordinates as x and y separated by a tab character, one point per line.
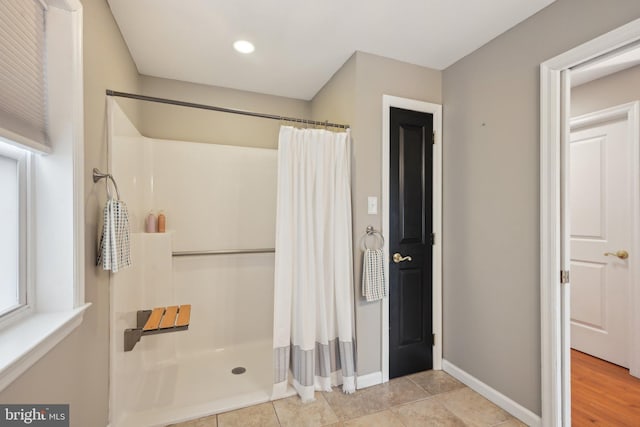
160	320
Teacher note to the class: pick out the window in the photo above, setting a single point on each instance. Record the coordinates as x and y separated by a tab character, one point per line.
23	130
13	228
41	180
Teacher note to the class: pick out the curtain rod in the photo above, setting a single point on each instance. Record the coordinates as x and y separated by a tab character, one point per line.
223	109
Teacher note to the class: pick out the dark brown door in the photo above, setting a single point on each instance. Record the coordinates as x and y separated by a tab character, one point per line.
410	274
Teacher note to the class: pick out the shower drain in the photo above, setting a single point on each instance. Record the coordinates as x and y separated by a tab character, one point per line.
239	370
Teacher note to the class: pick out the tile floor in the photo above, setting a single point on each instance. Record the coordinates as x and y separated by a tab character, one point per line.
430	398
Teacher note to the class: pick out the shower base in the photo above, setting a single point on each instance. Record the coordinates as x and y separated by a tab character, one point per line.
199	385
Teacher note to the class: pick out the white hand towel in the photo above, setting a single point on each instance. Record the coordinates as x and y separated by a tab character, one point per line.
373	284
114	251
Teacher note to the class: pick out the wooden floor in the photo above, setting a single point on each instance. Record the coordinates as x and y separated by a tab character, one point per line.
602	394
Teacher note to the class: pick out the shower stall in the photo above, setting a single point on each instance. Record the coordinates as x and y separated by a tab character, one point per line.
220	205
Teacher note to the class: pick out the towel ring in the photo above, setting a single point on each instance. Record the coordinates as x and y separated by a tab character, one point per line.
371	232
97	176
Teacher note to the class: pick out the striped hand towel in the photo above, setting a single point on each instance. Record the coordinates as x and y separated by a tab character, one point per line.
114	251
373	284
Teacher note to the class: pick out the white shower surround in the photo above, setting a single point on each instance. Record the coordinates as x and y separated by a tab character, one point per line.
215	197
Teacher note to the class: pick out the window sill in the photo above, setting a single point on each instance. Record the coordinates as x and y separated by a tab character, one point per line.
25	342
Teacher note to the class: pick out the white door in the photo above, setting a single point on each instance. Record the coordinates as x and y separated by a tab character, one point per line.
600	216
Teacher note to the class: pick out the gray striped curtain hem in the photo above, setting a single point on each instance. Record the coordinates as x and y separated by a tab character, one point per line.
322	361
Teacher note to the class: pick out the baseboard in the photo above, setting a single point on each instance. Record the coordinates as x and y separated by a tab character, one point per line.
514	408
364	381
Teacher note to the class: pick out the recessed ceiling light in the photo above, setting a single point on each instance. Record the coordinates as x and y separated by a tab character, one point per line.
243	46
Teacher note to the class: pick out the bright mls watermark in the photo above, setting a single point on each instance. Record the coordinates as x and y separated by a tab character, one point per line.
34	415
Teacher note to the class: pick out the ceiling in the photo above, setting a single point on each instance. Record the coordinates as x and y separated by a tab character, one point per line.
301	44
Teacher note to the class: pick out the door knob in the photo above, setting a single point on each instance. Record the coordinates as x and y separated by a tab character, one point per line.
397	258
622	254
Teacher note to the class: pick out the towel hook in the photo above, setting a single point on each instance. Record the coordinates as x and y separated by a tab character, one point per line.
97	176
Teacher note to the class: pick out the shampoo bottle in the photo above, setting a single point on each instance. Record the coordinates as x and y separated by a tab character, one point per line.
150	223
162	222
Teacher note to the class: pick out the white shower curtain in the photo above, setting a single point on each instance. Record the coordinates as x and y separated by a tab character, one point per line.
313	304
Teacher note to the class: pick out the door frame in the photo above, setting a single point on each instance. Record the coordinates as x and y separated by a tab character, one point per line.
389	101
554	131
629	112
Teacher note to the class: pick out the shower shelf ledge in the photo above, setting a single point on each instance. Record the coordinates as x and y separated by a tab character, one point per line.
160	320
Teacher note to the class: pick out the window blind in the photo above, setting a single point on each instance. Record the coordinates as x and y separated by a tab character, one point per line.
23	112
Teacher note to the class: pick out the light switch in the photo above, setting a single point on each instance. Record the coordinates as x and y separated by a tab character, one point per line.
372	205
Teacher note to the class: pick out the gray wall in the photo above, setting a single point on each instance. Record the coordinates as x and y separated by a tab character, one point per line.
354	95
491	194
377	76
336	101
189	124
609	91
77	370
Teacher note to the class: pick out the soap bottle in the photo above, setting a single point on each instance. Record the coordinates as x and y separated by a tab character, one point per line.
162	222
150	223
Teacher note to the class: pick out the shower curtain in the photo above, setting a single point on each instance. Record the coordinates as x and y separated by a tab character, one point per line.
313	303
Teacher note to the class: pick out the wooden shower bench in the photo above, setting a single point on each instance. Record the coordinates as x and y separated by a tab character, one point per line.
160	320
